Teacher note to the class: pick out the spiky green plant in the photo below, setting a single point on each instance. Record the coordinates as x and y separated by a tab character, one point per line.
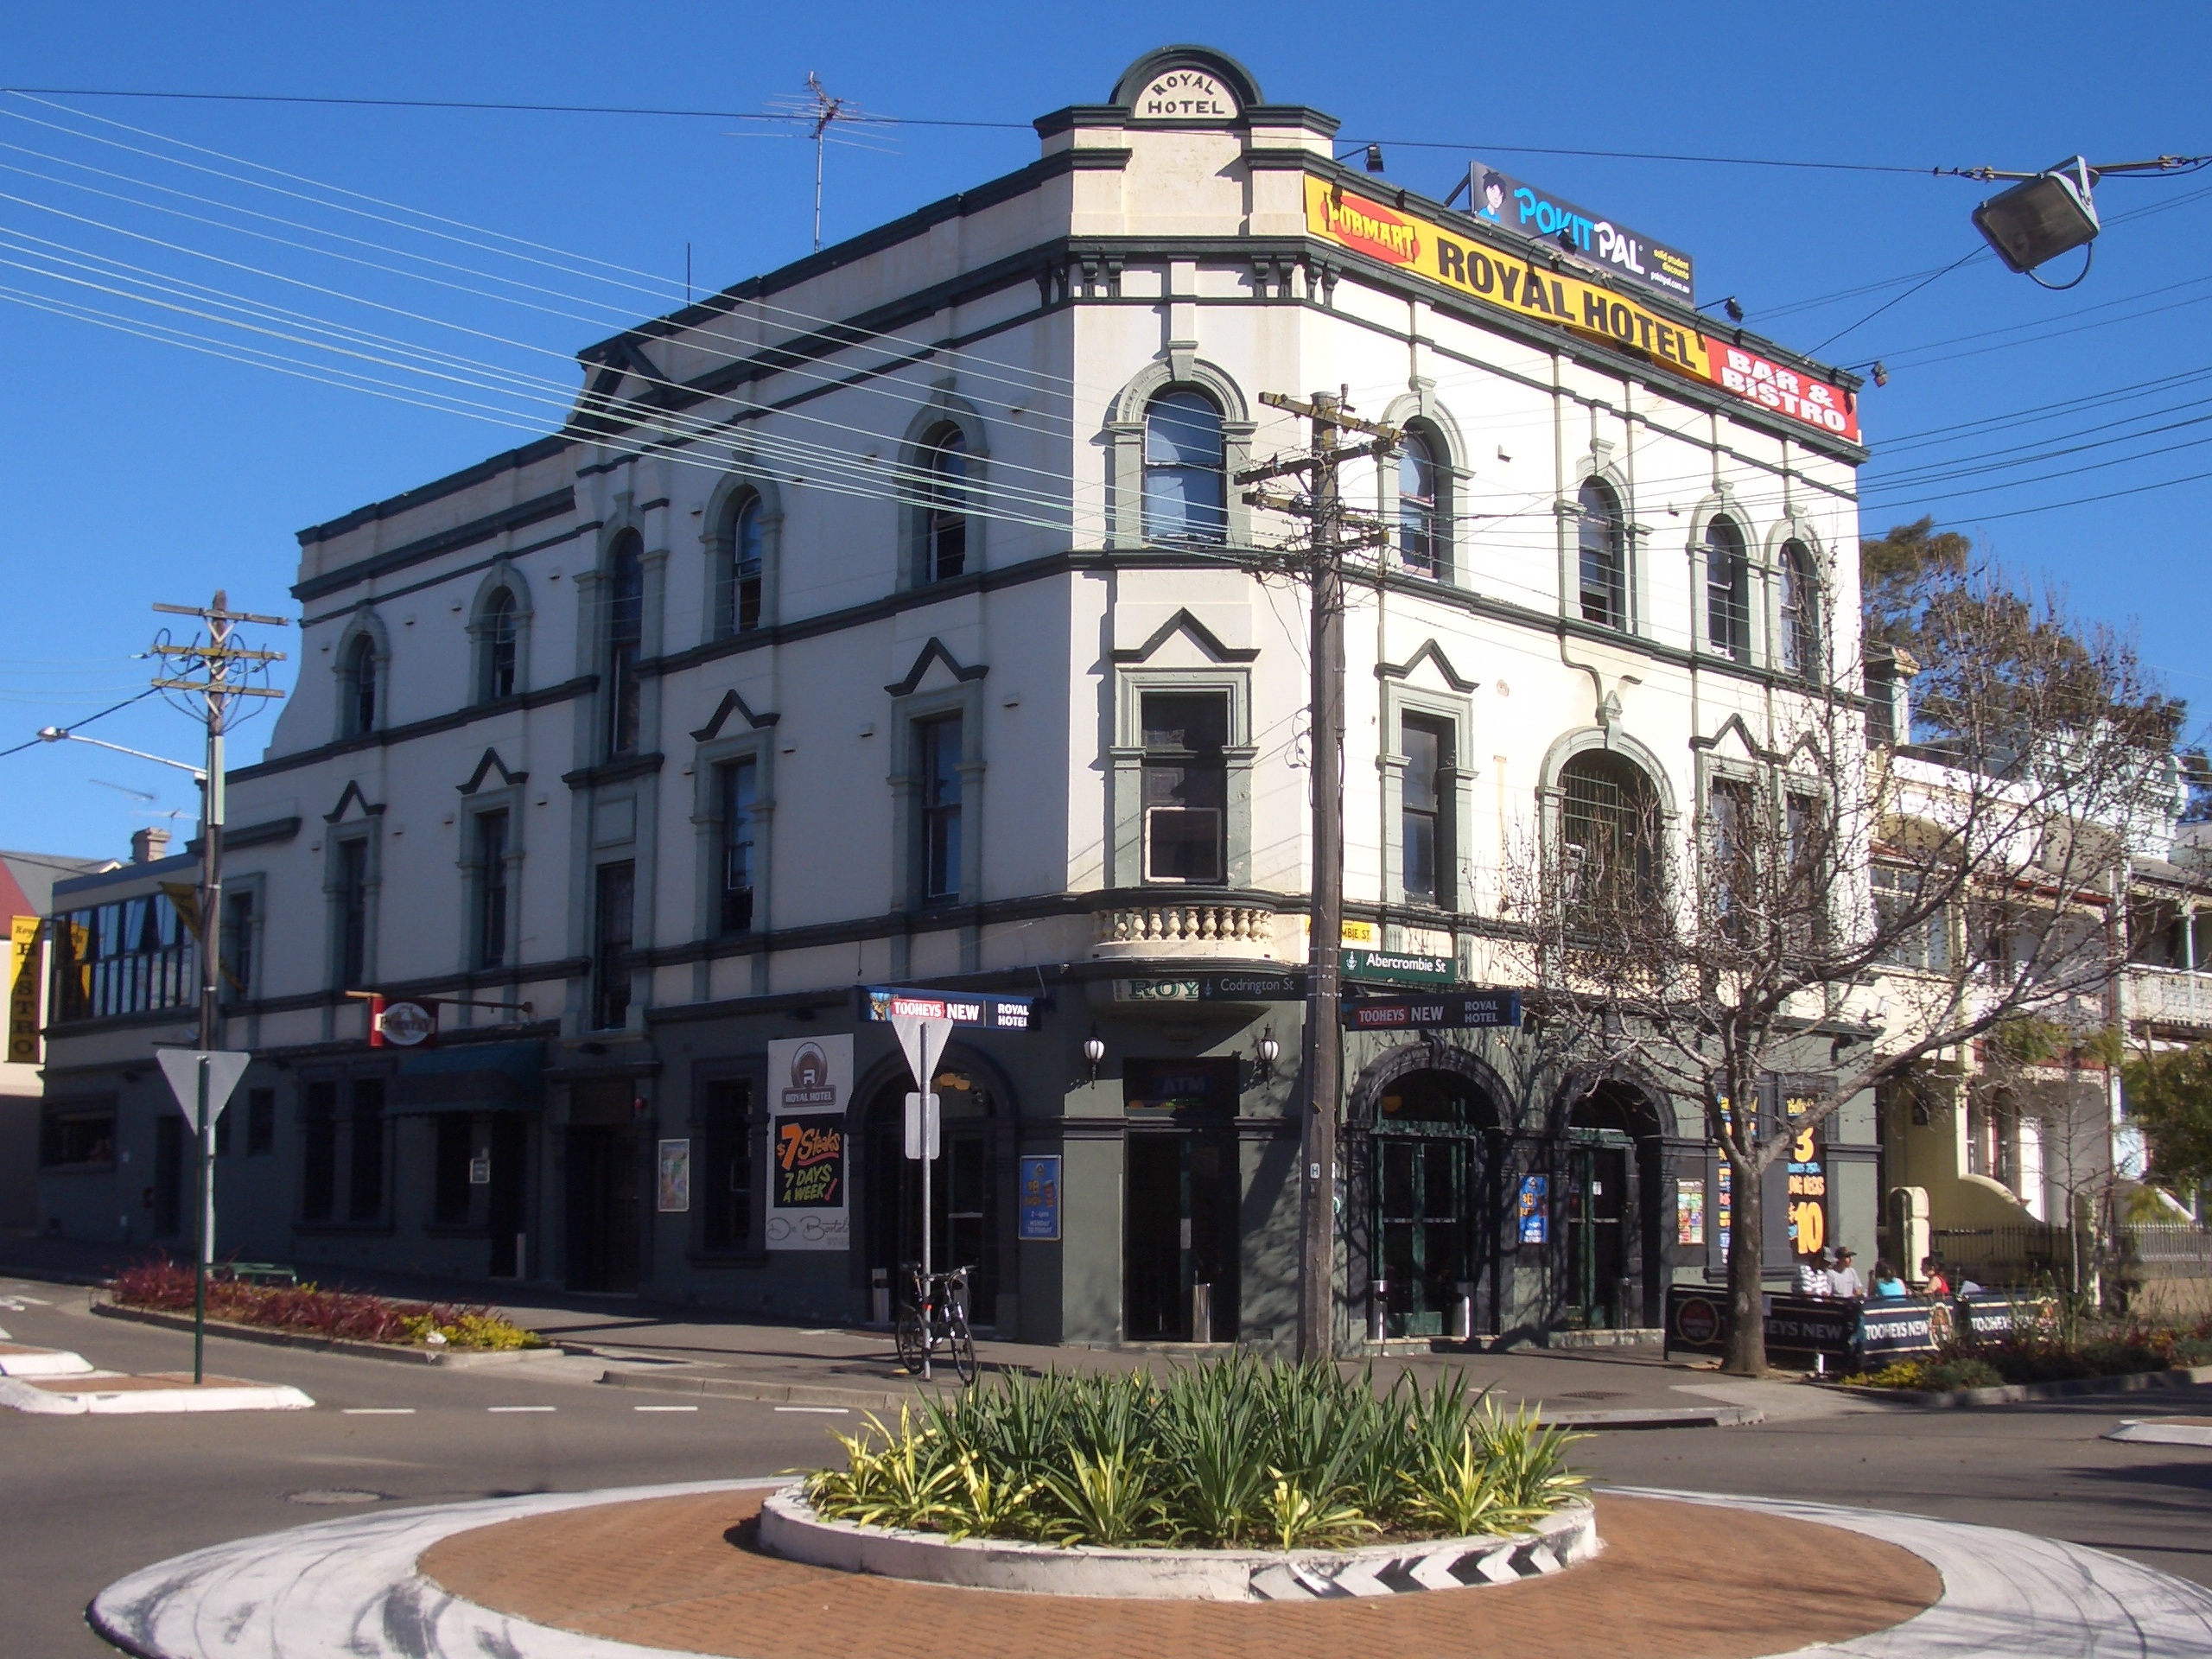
1300	1519
1108	1499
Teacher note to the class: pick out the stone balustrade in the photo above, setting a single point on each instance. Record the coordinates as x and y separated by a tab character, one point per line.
1187	928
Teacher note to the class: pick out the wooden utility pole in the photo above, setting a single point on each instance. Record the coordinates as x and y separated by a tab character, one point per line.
1322	566
213	659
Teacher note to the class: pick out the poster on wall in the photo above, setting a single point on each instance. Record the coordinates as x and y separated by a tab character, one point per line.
1040	1199
810	1088
1809	1182
1534	1222
1689	1212
675	1177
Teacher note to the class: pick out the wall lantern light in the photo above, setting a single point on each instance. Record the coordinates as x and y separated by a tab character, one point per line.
1094	1050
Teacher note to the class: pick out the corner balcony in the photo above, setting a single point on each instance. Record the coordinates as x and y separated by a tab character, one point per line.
1185	928
2169	996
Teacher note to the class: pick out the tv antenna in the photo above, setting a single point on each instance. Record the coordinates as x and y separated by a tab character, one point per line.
820	112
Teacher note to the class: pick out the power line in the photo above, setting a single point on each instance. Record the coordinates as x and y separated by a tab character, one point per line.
86	721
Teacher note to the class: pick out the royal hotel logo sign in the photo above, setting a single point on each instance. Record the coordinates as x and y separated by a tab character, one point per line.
1184	95
1509	283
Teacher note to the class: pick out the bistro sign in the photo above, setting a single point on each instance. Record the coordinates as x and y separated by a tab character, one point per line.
1535	293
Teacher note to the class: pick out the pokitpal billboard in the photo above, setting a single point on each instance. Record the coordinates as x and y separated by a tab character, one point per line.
1519	285
1630	255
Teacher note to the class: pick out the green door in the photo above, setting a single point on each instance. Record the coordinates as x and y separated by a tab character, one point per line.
1421	1228
1596	1241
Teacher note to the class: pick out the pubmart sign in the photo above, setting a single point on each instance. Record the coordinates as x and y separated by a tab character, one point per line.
1518	285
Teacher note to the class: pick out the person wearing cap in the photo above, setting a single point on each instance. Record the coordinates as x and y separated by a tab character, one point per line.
1845	1281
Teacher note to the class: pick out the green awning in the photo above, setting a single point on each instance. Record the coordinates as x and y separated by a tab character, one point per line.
470	1077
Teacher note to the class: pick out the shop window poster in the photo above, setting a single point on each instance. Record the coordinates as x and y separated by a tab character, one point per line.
1535	1223
1689	1212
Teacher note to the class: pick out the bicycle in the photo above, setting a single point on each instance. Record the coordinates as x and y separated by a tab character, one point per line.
936	1312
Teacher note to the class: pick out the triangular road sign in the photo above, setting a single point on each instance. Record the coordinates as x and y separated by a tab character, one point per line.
181	1067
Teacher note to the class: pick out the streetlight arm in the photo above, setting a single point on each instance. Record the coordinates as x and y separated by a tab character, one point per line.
56	733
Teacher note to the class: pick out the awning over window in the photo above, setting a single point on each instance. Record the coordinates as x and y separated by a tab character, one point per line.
470	1077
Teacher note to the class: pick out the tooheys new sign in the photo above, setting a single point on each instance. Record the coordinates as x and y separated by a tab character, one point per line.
1465	266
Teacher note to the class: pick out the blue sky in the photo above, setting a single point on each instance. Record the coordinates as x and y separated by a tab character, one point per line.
137	471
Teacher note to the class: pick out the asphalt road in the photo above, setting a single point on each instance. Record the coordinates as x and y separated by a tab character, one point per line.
87	1499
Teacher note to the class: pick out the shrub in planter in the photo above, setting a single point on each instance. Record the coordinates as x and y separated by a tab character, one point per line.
167	1286
1235	1452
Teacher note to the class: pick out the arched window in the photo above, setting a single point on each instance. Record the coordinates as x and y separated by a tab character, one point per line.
1605	557
1728	590
944	511
1185	477
497	630
1422	521
1801	611
745	567
359	713
626	620
1609	835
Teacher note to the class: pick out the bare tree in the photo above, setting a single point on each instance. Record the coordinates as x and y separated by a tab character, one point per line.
1868	895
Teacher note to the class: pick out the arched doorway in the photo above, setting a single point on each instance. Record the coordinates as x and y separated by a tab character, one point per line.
1432	1191
1609	1195
963	1185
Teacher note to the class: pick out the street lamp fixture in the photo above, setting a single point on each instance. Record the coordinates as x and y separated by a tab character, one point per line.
2044	215
1094	1050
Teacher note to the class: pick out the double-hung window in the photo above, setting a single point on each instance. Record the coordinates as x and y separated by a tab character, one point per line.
1603	546
626	619
1921	944
1424	834
1728	590
490	889
938	744
352	908
737	784
612	933
1186	786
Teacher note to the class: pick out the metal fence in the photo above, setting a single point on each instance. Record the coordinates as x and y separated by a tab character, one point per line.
2016	1255
2177	1250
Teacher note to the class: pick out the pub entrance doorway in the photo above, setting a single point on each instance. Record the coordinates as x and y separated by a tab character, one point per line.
605	1188
963	1188
1435	1202
1610	1177
1180	1191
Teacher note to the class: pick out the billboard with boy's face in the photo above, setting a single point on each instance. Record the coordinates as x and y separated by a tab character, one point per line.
1607	242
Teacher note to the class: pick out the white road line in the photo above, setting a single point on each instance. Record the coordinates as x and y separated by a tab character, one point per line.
664	1408
519	1407
820	1411
378	1411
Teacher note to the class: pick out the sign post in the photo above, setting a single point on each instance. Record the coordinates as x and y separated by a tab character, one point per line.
203	1080
923	1042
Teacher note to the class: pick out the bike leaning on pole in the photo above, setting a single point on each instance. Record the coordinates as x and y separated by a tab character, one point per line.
936	1313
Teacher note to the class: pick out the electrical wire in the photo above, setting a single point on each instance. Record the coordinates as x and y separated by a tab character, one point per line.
80	725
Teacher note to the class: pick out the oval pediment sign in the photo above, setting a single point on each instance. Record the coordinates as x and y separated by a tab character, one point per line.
1185	92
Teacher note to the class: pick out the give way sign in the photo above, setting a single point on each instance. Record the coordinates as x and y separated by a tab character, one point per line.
181	1067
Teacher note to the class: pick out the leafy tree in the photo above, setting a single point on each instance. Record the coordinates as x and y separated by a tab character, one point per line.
2170	1098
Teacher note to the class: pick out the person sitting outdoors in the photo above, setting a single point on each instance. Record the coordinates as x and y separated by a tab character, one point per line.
1813	1276
1845	1281
1932	1280
1887	1285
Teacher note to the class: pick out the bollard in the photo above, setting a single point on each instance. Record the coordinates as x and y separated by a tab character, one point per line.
1463	1313
879	1295
1378	1309
522	1264
1201	1312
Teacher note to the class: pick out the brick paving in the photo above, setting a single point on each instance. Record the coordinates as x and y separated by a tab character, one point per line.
1688	1580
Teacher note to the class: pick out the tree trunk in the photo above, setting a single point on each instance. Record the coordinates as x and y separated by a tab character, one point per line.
1746	1355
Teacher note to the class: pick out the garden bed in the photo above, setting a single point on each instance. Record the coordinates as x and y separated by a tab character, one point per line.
1238	1480
2036	1357
163	1287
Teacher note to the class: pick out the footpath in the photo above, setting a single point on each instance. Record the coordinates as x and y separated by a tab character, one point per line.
656	1348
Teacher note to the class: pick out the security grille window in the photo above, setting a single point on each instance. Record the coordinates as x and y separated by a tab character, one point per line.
625	621
1186	786
128	957
449	1172
1923	944
1184	472
1421	526
499	633
1605	557
612	919
736	782
1728	590
359	713
353	940
260	1121
1801	612
365	1170
946	509
745	567
490	889
1424	834
939	764
1609	825
723	1174
237	960
319	1151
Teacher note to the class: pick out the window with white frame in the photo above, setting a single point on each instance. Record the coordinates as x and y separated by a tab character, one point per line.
1422	522
1801	611
1426	836
497	645
1727	589
938	755
1915	933
1603	546
945	505
1186	492
357	687
1186	786
746	557
737	789
626	619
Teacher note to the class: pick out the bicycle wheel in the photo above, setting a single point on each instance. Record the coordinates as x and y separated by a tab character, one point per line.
907	1336
964	1349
